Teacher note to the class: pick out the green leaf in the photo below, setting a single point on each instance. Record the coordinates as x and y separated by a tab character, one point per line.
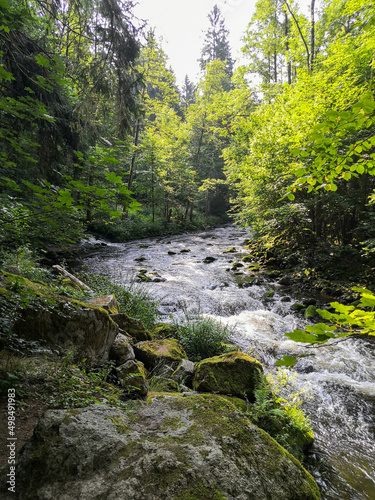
42	61
286	361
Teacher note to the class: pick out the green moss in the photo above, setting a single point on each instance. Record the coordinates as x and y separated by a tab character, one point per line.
234	373
199	492
153	352
121	426
310	312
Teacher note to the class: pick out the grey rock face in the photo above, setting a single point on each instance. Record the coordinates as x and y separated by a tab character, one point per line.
200	446
87	332
121	350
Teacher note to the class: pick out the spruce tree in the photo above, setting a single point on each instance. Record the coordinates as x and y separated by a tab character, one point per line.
216	44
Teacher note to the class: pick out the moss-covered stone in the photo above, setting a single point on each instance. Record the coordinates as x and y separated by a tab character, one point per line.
164	330
197	447
133	327
121	351
65	324
297	306
234	373
132	376
310	312
166	351
247	258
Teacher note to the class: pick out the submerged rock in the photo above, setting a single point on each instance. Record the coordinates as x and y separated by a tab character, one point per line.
235	373
175	448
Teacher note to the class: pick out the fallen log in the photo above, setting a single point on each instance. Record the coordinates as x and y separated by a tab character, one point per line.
71	277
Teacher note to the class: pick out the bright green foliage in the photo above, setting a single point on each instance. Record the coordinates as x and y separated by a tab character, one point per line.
346	321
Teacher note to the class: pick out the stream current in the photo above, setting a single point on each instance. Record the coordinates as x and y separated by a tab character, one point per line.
340	379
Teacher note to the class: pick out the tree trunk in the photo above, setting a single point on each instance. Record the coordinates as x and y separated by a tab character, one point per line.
312	36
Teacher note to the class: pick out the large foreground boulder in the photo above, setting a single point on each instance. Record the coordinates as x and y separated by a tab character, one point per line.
235	373
175	448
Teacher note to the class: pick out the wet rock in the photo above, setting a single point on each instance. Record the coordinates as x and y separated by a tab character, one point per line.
140	259
198	447
285	281
309	302
285	299
247	258
209	259
237	265
133	327
310	312
160	352
297	306
268	296
185	250
121	350
235	373
230	250
170	252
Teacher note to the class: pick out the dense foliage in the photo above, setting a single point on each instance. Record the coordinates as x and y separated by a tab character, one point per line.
94	127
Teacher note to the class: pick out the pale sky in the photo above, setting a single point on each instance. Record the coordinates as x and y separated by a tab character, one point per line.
182	23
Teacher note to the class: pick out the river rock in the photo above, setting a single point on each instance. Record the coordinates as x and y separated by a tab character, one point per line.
133	327
233	373
121	350
160	352
132	376
195	447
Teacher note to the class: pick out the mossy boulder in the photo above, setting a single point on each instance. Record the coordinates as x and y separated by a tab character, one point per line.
134	328
310	312
61	323
234	373
247	258
297	306
164	330
121	350
160	352
132	376
175	448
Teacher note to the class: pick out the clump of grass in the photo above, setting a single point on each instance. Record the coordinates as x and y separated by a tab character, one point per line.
132	298
203	337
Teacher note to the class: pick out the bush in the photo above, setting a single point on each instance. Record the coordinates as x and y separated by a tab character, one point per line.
203	338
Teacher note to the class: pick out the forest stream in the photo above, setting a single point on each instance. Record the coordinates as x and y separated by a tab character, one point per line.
339	379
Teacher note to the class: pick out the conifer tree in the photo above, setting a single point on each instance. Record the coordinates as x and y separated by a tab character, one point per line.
216	44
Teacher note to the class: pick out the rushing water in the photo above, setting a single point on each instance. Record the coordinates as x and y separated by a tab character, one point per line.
340	378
